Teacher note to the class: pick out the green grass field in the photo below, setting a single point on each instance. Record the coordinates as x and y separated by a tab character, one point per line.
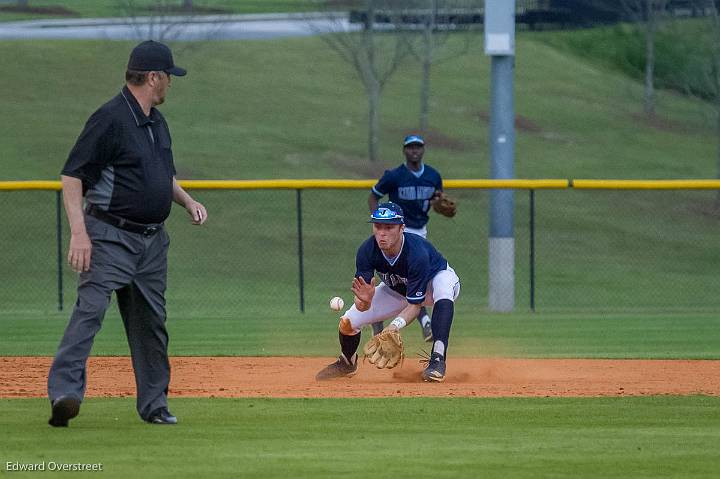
120	8
521	438
576	335
620	274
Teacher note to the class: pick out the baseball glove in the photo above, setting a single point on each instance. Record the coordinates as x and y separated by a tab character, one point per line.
385	350
444	205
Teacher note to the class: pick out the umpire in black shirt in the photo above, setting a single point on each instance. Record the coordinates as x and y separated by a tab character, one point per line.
122	164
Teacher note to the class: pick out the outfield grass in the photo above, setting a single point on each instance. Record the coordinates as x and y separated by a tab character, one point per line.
657	336
292	109
118	8
409	437
595	252
288	108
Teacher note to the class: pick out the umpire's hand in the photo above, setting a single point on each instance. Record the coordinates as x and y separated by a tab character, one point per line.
79	254
198	213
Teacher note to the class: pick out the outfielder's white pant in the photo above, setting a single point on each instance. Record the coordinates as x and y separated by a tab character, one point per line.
387	303
417	231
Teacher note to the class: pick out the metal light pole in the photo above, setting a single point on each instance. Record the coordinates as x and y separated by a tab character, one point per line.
500	46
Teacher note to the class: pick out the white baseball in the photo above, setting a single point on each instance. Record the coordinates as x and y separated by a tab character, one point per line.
337	303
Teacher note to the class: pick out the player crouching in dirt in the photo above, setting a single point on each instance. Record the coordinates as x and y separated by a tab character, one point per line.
413	274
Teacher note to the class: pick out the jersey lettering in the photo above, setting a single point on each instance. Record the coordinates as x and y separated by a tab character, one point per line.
412	193
407	193
425	192
392	279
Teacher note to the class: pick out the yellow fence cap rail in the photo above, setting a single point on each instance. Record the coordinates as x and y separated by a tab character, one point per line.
276	184
362	184
517	184
646	184
30	185
584	184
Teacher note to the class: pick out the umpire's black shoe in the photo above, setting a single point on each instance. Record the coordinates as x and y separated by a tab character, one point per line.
64	408
161	416
435	370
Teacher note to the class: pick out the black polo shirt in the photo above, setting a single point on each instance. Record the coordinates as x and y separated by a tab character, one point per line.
125	161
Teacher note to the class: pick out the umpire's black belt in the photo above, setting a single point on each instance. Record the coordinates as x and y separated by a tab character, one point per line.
122	223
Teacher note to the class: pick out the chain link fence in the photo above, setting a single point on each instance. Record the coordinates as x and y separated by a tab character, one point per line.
293	249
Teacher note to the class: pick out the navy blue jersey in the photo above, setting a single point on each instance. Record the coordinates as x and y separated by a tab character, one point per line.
417	264
411	192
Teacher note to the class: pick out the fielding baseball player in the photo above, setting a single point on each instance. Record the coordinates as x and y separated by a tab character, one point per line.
413	274
414	186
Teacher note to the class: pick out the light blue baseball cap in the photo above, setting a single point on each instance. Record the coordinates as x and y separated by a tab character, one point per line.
387	213
413	139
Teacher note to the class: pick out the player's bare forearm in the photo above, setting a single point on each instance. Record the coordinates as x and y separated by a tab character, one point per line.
408	315
410	312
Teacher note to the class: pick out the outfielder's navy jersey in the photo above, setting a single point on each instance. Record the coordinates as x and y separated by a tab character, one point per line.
411	192
411	271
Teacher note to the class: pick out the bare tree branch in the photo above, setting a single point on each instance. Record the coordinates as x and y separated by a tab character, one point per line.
430	46
375	52
166	20
649	15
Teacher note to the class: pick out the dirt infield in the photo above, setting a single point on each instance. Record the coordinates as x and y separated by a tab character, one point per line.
294	377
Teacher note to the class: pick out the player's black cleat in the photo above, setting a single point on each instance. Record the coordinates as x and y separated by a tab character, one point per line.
435	370
340	368
427	332
64	408
162	416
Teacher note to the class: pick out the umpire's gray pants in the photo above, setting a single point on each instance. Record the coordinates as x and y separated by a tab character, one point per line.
135	267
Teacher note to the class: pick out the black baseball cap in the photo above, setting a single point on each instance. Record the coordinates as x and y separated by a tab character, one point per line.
154	56
387	213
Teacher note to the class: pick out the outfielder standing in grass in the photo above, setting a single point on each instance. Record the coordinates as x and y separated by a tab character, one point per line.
122	164
414	274
412	185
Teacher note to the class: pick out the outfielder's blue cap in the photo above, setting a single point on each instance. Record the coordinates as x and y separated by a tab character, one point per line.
387	213
413	139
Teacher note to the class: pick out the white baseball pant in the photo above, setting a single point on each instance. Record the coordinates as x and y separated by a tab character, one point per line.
417	231
387	303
